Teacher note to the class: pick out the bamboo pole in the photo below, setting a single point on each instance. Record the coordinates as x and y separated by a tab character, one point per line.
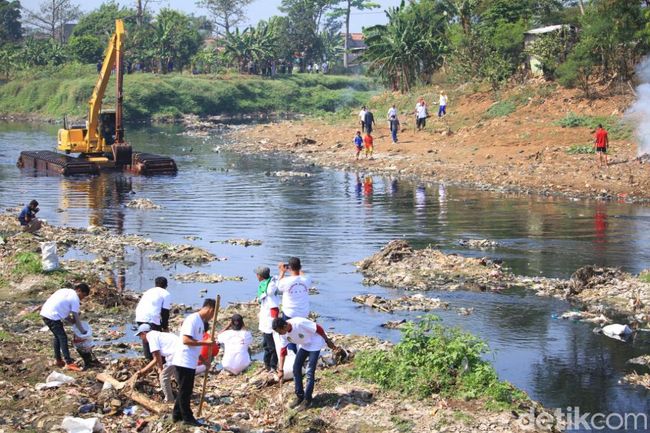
205	378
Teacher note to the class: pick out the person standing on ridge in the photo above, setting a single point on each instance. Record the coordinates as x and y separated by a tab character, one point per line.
295	291
362	118
153	309
358	143
601	141
394	127
369	144
59	307
442	111
267	296
369	120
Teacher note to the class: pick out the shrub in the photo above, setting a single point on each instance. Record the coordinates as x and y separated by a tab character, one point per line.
26	263
431	359
581	149
500	109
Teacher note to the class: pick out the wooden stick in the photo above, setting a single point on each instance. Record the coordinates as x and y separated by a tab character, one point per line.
207	370
140	398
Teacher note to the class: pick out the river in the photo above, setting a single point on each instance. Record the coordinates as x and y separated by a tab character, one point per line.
332	219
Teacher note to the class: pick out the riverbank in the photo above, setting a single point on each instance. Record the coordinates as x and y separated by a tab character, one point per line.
250	402
65	91
533	140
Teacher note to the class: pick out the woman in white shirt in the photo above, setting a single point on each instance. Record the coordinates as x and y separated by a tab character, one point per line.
236	341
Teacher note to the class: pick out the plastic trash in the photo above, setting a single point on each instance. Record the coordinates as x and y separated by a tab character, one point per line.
54	380
86	408
81	425
49	258
130	411
82	342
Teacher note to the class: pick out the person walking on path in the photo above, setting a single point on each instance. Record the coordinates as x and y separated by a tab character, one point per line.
267	296
311	339
27	218
59	307
394	127
421	114
369	144
186	358
236	340
153	309
358	143
163	346
295	291
442	110
362	118
601	140
392	111
369	120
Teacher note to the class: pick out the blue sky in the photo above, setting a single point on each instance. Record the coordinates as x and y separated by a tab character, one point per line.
259	9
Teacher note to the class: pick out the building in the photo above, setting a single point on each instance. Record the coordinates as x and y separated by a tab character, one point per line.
356	47
533	63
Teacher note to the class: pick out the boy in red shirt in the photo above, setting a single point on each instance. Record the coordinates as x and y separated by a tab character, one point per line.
602	143
367	141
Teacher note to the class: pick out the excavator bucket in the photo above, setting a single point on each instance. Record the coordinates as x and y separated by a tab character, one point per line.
122	154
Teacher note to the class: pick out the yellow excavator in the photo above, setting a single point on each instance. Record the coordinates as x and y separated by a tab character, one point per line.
100	142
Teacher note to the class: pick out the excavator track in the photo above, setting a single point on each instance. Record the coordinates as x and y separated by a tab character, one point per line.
56	163
149	164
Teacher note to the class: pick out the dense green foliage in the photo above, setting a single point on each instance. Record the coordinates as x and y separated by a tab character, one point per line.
431	359
55	92
10	26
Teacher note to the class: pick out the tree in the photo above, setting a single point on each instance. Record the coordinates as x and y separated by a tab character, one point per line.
175	38
305	18
10	28
86	48
100	23
226	14
345	11
52	17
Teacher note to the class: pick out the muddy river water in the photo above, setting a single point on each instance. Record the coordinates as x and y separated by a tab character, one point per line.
332	219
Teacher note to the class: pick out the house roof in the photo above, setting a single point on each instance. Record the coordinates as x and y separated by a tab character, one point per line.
547	29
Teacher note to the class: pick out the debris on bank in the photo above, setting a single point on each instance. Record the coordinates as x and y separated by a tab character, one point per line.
643	360
637	379
283	173
416	302
200	277
240	242
394	324
586	316
143	203
188	255
482	244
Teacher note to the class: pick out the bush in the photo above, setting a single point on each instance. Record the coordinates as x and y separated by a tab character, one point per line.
431	360
500	109
85	49
26	263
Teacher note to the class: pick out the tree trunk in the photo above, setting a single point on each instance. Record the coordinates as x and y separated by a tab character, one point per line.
139	13
582	7
347	35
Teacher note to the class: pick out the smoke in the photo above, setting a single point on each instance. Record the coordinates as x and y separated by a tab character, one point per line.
639	112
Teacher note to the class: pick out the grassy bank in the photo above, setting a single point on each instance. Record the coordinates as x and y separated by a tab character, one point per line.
56	92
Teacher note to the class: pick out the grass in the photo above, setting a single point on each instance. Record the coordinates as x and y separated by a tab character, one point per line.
26	263
402	425
5	336
57	92
434	360
645	276
501	109
616	128
581	149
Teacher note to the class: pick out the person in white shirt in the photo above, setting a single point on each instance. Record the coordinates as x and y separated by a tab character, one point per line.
442	111
362	118
186	358
267	296
421	114
392	111
310	338
236	340
295	291
59	307
163	345
153	309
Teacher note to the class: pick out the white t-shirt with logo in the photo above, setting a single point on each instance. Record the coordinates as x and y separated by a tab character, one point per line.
152	301
443	100
61	304
421	110
164	342
235	349
303	334
188	356
295	295
269	300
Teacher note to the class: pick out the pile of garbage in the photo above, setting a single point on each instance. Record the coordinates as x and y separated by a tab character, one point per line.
283	173
200	277
398	265
481	244
142	203
240	242
189	255
416	302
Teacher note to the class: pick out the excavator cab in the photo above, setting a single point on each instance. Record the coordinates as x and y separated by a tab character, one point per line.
107	126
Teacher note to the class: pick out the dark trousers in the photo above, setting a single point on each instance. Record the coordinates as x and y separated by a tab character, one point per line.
145	344
182	410
421	122
60	340
270	355
394	134
301	356
291	346
363	126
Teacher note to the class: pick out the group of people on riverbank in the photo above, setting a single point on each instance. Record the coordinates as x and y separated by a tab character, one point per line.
283	309
367	123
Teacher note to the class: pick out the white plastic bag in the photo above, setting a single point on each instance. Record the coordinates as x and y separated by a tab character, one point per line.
54	380
82	425
82	342
49	259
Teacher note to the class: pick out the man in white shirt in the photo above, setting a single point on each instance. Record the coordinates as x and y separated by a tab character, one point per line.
163	345
442	111
153	309
267	296
421	114
187	357
295	291
58	307
310	338
362	118
392	111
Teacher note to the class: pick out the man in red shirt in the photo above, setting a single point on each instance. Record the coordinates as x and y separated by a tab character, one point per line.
602	143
